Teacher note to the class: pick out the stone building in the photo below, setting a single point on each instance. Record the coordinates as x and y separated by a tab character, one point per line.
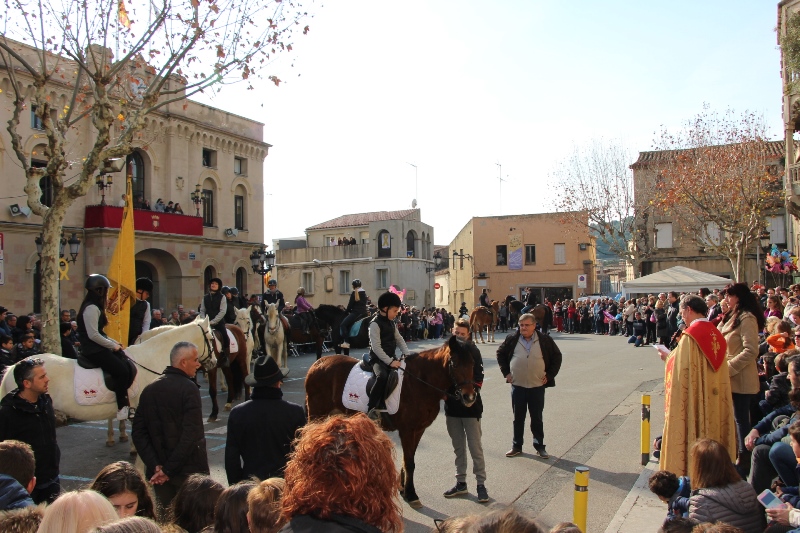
791	124
185	148
507	254
390	248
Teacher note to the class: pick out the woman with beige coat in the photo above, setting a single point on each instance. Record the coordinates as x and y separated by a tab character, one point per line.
740	327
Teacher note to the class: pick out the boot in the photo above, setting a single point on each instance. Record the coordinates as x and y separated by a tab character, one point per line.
222	360
743	463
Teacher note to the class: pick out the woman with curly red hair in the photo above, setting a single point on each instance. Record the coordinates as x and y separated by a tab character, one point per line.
340	478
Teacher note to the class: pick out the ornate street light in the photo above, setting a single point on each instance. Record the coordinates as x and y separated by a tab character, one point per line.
103	182
197	198
74	247
262	262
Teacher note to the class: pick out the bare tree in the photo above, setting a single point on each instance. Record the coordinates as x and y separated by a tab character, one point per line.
117	68
596	180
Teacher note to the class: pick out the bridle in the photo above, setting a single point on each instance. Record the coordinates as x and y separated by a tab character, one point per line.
451	374
208	351
278	324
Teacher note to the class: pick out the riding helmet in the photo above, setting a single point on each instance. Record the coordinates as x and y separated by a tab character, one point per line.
225	290
144	284
272	282
389	299
356	283
97	281
217	280
235	291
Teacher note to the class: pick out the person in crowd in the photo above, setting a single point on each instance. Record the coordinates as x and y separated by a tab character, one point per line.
673	313
140	310
740	326
130	524
783	338
26	414
4	327
6	352
672	490
158	319
638	329
26	348
679	525
126	489
97	347
340	479
170	207
230	310
264	506
503	317
384	340
239	301
261	430
178	209
174	318
78	511
697	387
628	316
506	519
67	348
11	320
779	385
230	514
65	316
530	362
356	310
215	306
192	510
159	206
464	424
17	475
774	307
714	309
303	310
24	325
168	426
718	492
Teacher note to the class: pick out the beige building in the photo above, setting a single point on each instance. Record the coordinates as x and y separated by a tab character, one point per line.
791	123
184	148
392	248
507	254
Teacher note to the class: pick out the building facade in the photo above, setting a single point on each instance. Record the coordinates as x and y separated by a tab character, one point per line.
791	124
390	248
508	254
185	148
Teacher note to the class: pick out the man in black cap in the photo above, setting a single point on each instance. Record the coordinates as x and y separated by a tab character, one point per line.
230	312
261	430
140	310
215	306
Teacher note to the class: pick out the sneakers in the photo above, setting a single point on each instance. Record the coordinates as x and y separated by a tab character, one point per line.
542	452
131	413
459	488
483	496
345	345
123	413
513	452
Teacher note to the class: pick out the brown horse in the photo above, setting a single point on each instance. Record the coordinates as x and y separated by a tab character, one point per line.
428	378
481	317
234	374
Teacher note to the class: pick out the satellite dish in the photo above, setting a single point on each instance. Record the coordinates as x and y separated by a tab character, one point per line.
413	203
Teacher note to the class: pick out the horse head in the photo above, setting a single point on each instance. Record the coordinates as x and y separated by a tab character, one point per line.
244	322
461	368
273	320
206	357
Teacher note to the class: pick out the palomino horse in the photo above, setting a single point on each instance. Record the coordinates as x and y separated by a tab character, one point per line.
150	356
275	337
234	373
428	377
481	317
332	316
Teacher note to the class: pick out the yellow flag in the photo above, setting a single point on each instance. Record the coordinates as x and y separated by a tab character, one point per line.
122	275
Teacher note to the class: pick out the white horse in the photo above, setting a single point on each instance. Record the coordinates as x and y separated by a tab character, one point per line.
151	356
245	323
275	338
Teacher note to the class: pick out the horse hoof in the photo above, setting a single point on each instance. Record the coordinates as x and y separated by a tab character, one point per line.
227	407
415	504
110	443
123	438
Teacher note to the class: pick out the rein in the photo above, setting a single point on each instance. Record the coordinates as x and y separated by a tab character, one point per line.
135	362
449	395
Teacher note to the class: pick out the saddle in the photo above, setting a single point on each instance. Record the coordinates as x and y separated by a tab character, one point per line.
391	382
355	394
356	327
108	379
233	345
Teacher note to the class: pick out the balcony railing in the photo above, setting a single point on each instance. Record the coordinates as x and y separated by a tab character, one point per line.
107	216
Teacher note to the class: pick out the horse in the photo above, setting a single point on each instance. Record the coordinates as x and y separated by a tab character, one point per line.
481	317
234	373
151	356
428	376
514	307
275	337
316	334
332	316
245	324
259	323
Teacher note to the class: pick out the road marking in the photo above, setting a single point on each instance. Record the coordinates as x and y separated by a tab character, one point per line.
218	431
215	448
76	478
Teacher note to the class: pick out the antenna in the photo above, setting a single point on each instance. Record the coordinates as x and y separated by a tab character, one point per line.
500	177
414	201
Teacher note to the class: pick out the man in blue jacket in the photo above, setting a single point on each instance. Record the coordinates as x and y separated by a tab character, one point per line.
17	479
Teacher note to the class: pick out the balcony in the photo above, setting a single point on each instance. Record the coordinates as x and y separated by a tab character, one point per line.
107	216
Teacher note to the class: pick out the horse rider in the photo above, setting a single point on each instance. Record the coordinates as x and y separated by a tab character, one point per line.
140	310
230	312
97	347
530	301
274	296
384	339
356	309
215	306
463	310
238	300
303	310
484	300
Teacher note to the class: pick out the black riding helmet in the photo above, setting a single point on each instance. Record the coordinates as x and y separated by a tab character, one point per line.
225	289
97	281
272	282
356	283
234	291
144	284
388	299
213	280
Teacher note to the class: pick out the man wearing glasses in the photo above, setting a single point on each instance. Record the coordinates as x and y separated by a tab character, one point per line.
529	361
26	414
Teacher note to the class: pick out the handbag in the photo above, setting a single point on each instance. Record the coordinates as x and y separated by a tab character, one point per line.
653	317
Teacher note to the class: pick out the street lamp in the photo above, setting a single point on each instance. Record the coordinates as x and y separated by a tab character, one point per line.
436	258
262	262
763	242
74	247
103	182
197	198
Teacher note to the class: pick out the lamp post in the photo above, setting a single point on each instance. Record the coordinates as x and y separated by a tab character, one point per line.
457	255
197	198
74	249
763	242
436	258
103	182
262	262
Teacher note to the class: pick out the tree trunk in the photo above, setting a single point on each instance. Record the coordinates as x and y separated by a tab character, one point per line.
49	275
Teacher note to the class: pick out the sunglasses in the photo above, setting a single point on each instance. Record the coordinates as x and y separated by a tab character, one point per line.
31	362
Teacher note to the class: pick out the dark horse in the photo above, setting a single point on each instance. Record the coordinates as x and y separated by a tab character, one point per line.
315	335
332	316
234	374
427	378
514	307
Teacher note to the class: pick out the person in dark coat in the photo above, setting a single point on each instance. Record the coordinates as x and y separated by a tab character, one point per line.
356	310
168	425
140	310
215	306
261	430
26	415
17	475
67	348
6	355
529	361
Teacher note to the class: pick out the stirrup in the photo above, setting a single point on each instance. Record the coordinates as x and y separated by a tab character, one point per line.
375	413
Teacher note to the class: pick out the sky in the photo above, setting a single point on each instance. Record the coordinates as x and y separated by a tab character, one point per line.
471	91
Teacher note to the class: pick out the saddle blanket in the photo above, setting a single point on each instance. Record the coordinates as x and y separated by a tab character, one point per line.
355	397
90	387
232	338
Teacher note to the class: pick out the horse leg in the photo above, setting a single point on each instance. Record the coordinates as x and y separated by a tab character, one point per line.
212	391
319	346
229	378
410	440
223	384
110	435
123	434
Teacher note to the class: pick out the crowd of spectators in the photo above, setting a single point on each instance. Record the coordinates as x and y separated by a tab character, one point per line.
141	203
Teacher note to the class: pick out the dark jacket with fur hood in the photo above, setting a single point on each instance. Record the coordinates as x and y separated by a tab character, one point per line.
24	520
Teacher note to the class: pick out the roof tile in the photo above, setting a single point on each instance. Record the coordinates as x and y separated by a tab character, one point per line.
362	219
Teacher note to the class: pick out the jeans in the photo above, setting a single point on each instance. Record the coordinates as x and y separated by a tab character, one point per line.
347	323
741	415
527	400
783	460
636	341
466	433
46	492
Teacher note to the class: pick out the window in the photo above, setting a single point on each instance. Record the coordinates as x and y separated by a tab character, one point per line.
307	280
410	241
384	244
664	235
238	211
364	237
45	182
530	254
36	121
777	230
136	166
241	280
208	207
209	158
344	281
208	274
382	281
240	166
461	254
502	255
711	234
561	254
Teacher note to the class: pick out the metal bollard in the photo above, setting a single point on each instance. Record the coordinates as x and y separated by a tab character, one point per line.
645	437
580	506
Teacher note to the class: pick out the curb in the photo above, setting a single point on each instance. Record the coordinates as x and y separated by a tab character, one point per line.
641	510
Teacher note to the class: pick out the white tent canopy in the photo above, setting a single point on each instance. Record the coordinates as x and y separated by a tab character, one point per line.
677	278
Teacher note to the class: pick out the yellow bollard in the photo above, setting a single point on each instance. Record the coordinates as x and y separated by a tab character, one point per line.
580	506
645	429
